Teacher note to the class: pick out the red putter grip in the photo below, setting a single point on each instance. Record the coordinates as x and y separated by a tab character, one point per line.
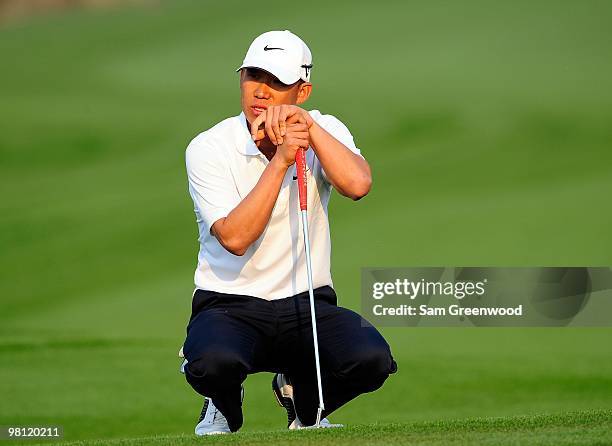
300	163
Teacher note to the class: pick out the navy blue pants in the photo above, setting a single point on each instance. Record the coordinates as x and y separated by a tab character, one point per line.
231	336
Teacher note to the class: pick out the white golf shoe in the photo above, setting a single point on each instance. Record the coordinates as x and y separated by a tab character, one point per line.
283	391
184	363
212	421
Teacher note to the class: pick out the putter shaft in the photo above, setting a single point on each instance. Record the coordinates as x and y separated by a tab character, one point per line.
312	316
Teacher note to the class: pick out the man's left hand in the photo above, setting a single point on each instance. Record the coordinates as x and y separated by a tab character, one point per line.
275	120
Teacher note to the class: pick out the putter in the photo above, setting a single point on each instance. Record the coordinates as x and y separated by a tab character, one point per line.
300	161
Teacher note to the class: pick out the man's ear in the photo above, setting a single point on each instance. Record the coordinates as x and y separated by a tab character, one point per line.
304	92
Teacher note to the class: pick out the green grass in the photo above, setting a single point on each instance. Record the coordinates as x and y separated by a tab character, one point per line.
574	428
487	128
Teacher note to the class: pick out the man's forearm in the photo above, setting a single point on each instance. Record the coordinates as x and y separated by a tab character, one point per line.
247	221
349	173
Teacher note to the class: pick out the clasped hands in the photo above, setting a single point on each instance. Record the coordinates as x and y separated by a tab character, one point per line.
287	127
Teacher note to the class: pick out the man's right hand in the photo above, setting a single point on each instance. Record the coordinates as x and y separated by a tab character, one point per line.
247	221
296	137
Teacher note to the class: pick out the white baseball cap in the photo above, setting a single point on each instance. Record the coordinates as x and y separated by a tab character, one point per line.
282	54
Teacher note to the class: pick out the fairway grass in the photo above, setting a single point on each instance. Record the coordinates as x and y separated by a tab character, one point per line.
573	428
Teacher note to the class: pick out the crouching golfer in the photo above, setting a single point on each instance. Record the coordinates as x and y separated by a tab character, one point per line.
250	310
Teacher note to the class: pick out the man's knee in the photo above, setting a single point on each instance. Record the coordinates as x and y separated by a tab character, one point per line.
215	365
369	367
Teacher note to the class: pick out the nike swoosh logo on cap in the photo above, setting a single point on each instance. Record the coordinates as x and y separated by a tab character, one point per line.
267	48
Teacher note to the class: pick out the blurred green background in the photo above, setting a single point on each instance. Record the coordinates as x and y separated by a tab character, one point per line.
488	129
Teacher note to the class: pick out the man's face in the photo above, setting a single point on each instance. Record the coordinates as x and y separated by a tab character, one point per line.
259	90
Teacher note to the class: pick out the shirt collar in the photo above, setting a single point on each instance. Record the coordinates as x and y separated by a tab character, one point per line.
244	142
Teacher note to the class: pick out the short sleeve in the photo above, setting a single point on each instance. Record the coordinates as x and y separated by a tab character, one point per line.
338	130
211	184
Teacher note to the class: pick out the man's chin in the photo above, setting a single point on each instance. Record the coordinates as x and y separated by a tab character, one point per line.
250	117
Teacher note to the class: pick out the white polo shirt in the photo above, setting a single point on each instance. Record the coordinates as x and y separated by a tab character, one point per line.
223	166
